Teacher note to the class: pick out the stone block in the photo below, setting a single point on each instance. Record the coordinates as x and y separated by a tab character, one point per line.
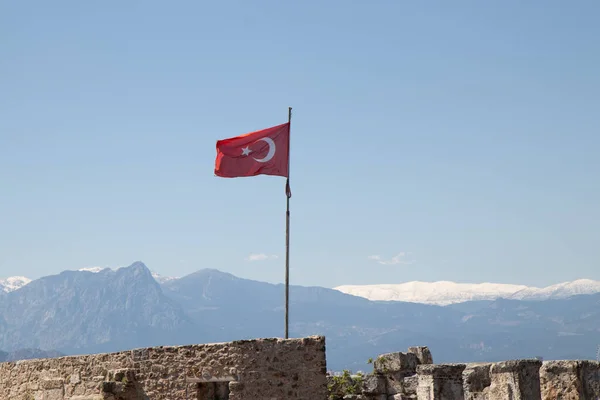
403	363
394	384
75	379
561	380
409	386
423	354
405	386
590	375
374	384
53	394
476	381
440	382
121	375
570	380
516	379
47	384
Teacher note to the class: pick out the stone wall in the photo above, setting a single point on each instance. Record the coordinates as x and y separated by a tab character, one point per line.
277	369
263	369
413	376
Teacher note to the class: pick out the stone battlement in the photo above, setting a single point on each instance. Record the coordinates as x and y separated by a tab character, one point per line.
403	376
269	369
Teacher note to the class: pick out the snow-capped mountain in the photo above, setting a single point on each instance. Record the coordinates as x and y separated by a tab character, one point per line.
162	279
13	283
559	291
444	292
94	270
440	293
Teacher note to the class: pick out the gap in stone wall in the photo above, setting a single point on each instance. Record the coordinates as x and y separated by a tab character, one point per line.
212	391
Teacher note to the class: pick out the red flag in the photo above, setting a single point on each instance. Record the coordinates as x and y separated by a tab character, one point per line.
263	152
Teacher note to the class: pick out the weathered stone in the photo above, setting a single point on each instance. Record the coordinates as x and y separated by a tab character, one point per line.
122	375
374	384
75	379
561	380
53	394
402	363
409	386
423	354
476	381
394	383
440	382
266	369
570	380
52	384
590	375
517	380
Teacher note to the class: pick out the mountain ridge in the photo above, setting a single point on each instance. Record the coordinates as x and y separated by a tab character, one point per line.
105	307
423	292
447	292
81	312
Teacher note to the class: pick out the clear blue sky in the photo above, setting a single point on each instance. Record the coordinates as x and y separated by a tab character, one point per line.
463	134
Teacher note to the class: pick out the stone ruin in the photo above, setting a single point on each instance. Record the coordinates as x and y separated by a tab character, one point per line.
413	375
290	369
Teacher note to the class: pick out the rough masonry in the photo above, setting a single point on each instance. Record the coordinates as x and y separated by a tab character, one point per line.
262	369
413	375
291	369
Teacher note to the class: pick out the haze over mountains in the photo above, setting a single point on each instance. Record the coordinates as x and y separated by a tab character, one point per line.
78	312
439	293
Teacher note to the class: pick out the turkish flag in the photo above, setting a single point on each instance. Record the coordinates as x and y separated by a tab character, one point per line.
264	152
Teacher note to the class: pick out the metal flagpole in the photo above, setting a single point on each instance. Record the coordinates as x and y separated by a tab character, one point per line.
288	194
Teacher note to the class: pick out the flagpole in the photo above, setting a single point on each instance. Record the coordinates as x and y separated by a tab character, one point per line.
288	194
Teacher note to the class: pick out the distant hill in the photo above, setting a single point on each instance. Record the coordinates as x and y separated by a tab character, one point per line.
82	312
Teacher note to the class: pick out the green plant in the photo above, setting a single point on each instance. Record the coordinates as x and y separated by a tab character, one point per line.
370	360
383	360
344	384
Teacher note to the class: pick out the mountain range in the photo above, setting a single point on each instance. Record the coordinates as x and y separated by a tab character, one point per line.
77	312
444	292
439	293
